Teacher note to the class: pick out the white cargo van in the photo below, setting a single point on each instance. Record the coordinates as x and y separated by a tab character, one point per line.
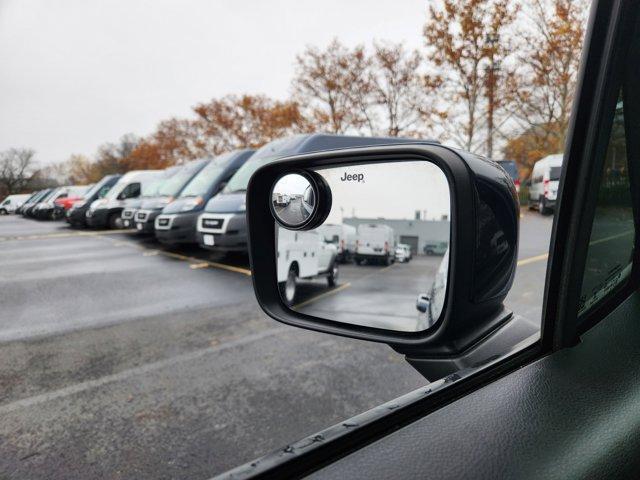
343	237
304	255
106	212
375	242
545	179
12	202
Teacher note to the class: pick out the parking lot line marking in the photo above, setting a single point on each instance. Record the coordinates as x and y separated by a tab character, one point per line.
231	268
612	237
195	266
537	258
135	371
544	256
199	261
62	235
322	295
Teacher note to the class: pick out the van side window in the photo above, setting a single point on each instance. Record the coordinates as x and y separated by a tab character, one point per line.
130	191
611	245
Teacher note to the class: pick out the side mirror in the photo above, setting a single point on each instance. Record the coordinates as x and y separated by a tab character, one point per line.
422	304
462	203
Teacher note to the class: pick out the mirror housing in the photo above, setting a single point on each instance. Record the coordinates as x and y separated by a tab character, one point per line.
482	256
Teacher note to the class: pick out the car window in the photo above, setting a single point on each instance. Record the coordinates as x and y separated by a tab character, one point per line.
146	349
611	244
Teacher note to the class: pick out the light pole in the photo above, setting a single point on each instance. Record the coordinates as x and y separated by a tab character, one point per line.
491	40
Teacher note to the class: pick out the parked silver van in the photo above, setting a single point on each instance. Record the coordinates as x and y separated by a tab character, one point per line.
545	178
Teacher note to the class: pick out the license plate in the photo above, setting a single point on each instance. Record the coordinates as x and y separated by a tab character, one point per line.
139	226
208	240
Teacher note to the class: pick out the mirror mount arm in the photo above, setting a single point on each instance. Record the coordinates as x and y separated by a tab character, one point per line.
512	331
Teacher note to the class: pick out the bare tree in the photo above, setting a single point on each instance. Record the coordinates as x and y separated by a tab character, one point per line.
461	37
544	87
331	86
17	166
407	98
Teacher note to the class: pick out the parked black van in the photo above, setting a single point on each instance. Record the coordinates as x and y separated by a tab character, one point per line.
76	216
163	193
222	227
177	222
27	208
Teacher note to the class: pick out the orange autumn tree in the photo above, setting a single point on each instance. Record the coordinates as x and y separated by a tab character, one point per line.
247	121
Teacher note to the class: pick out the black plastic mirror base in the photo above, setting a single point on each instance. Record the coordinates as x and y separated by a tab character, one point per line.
513	331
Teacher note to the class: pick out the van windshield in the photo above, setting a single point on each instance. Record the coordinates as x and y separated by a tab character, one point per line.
554	173
171	186
266	154
202	182
510	168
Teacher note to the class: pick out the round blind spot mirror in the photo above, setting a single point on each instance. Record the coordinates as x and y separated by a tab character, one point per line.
293	200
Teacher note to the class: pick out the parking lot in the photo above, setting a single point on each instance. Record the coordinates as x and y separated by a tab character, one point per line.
122	359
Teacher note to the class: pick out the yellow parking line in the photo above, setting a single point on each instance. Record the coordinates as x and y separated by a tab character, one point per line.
195	266
322	295
612	237
199	263
537	258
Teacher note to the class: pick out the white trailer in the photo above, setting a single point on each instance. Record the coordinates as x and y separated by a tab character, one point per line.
343	237
303	255
375	242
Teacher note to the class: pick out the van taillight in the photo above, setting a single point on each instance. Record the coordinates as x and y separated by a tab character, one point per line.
546	187
386	246
517	182
357	244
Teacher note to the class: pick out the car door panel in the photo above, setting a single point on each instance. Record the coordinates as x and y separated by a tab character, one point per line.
573	414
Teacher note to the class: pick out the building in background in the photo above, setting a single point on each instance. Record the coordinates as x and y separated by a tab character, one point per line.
424	236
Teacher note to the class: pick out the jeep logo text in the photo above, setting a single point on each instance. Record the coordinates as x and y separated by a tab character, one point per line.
356	177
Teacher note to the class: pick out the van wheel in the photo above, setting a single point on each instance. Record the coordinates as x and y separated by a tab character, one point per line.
358	261
289	287
113	221
3	211
542	207
332	278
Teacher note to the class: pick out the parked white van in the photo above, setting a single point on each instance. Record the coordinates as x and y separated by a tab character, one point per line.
304	255
545	179
343	237
375	242
12	203
105	212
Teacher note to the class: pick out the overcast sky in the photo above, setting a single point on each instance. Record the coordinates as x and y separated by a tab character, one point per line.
78	73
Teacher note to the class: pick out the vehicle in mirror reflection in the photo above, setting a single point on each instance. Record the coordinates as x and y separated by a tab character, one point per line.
372	227
293	200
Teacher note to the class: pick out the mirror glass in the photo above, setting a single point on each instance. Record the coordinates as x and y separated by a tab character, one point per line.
380	259
293	199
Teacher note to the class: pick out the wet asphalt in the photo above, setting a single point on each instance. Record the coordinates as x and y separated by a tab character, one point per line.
120	359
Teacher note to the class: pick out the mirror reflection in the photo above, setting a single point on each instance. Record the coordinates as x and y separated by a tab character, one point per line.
380	259
293	200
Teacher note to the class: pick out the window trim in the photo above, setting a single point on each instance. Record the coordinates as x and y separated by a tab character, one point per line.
597	92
